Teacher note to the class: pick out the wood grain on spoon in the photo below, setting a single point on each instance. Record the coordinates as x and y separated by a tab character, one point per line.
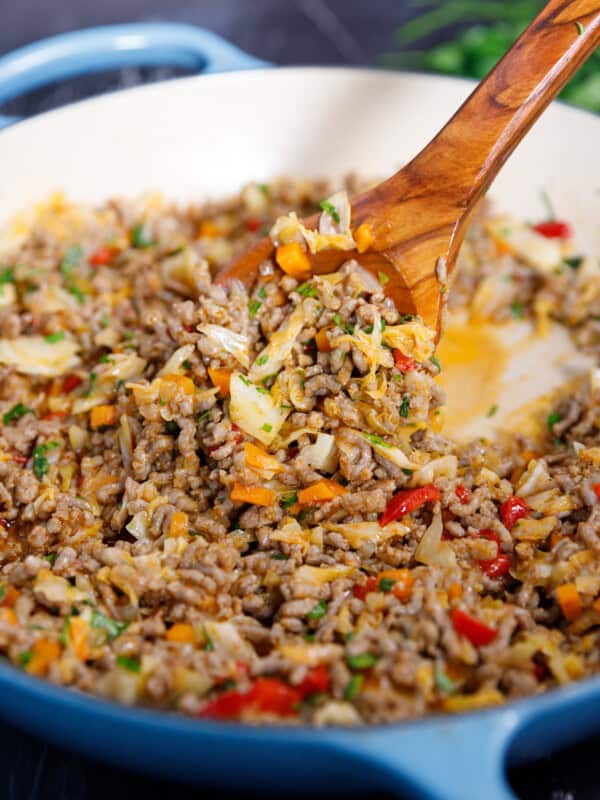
419	216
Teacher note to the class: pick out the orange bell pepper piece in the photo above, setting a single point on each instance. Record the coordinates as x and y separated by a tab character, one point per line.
320	492
179	524
220	378
181	632
293	260
256	458
569	601
257	495
103	416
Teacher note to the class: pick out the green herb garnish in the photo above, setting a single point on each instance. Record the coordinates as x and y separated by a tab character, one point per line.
354	687
444	683
580	27
374	439
253	307
279	556
362	661
71	259
574	262
267	428
16	412
7	276
436	363
90	389
51	557
404	407
77	293
386	584
111	627
492	410
208	644
307	290
516	309
105	359
289	500
203	416
262	293
186	364
330	209
382	278
130	664
57	336
140	237
25	657
40	462
318	611
172	428
262	360
552	419
244	380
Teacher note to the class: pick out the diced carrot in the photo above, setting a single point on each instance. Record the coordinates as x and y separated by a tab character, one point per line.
8	615
322	340
320	492
256	458
179	524
403	582
172	379
10	597
293	260
44	652
208	229
257	495
364	237
220	378
79	631
103	255
502	248
529	455
569	600
103	416
181	632
455	591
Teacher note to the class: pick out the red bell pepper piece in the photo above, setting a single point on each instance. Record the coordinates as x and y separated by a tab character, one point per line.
70	383
512	510
472	629
361	590
463	494
404	363
408	500
20	459
103	255
554	229
253	224
270	695
316	681
499	565
228	705
596	489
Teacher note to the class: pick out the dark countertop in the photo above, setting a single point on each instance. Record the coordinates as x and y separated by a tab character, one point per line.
284	32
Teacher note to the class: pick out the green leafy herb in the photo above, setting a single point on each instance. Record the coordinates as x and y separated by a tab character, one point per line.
140	237
382	278
25	657
77	293
267	428
71	259
203	416
492	410
2	591
307	290
186	364
90	389
253	307
244	380
208	643
309	637
279	556
444	683
436	363
580	27
40	462
574	262
131	664
552	419
105	359
16	412
374	439
516	309
50	557
337	320
111	627
264	187
172	428
128	335
57	336
262	292
407	471
318	611
386	584
262	360
289	500
64	636
7	276
354	687
330	209
404	407
362	661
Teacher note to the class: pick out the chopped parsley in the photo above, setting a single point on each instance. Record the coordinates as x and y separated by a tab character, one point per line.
262	361
354	687
552	419
267	428
77	293
203	416
309	637
40	462
57	336
25	657
186	364
130	664
516	309
244	380
262	293
64	636
307	290
386	584
338	320
140	237
7	276
253	307
436	363
105	359
264	188
279	556
382	278
362	661
208	644
50	557
16	412
90	389
289	500
330	209
374	439
404	407
172	428
318	611
111	627
71	259
574	262
492	410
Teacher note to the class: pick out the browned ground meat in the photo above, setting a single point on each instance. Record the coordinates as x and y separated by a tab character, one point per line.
194	480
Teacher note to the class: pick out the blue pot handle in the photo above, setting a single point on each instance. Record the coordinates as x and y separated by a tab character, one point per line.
114	46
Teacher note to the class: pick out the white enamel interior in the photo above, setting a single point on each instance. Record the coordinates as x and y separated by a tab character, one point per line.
206	136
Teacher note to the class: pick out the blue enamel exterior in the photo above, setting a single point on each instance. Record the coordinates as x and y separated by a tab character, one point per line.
441	758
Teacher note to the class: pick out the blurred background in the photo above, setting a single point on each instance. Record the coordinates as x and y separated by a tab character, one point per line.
459	37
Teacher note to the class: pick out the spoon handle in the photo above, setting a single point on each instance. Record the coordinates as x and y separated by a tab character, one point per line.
482	134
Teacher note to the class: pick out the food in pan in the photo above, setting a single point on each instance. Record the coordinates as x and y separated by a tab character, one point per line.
241	504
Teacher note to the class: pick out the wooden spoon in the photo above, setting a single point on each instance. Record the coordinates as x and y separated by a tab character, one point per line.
419	216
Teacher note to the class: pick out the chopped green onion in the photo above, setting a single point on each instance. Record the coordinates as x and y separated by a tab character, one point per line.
203	416
131	664
516	309
574	262
2	591
77	294
404	407
262	360
253	307
289	500
386	584
444	683
267	428
71	259
309	637
307	290
25	657
382	278
330	209
374	439
186	364
90	388
362	661
172	428
105	359
262	293
580	27
435	363
111	627
209	644
492	410
354	687
279	556
40	462
552	419
338	320
16	412
264	187
64	636
7	276
244	380
57	336
318	611
50	557
140	237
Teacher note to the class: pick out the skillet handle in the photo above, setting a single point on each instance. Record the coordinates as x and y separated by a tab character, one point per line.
114	46
447	758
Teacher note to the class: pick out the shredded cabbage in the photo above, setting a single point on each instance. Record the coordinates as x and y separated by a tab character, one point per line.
272	358
322	455
174	364
33	355
234	343
255	410
431	550
413	339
